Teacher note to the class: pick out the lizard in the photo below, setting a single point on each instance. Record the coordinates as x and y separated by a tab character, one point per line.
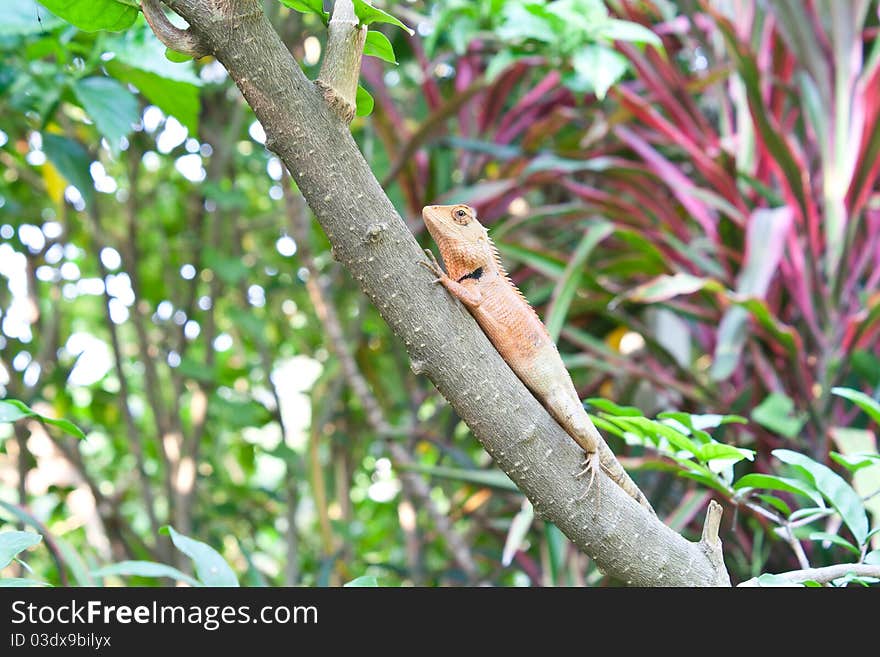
475	276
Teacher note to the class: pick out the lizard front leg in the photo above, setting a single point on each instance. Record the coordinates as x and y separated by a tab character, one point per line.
470	298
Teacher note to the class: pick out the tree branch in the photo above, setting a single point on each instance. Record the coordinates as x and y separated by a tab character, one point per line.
825	574
173	37
341	68
442	339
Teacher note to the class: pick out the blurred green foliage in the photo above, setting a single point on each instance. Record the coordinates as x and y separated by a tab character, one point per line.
661	177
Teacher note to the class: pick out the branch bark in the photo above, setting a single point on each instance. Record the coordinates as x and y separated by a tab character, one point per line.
372	241
825	574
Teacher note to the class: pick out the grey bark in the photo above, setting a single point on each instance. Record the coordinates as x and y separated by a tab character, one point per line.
443	341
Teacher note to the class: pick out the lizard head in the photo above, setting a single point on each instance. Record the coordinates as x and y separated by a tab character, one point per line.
462	240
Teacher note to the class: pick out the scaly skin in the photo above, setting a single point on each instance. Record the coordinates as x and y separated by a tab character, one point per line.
474	275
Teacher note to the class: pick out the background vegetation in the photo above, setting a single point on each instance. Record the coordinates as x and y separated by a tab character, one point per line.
687	192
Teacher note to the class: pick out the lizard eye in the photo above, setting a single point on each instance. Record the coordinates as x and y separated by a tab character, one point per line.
461	216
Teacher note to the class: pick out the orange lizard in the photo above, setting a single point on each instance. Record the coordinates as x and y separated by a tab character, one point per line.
477	279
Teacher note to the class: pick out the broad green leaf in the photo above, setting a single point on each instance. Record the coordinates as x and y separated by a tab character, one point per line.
772	482
834	538
716	450
65	425
614	409
174	98
15	409
176	57
211	568
368	14
19	18
872	558
362	581
308	7
776	413
565	289
835	489
364	102
860	399
72	162
94	15
378	45
10	412
628	31
11	543
596	69
112	107
145	569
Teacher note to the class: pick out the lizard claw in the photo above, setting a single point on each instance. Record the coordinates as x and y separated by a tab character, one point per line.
589	466
432	266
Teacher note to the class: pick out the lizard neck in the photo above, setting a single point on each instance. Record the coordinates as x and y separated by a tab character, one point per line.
463	258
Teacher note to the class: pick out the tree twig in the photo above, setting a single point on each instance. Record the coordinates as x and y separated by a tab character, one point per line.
825	574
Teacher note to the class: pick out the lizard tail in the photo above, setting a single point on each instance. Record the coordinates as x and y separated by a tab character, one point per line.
619	476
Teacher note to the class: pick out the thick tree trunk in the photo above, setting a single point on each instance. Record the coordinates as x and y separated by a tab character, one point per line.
443	341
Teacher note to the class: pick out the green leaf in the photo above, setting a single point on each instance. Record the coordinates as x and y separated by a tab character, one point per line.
776	503
15	582
612	408
769	580
378	45
65	425
368	14
94	15
308	7
145	569
872	558
364	102
776	413
11	411
619	30
772	482
715	450
174	88
565	289
211	568
835	489
15	409
11	543
855	462
362	581
72	162
112	107
19	18
176	57
834	538
665	287
596	69
863	401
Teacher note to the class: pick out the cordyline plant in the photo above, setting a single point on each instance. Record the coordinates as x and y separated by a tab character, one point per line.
712	218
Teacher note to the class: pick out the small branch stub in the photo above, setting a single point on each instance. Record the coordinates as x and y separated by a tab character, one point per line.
173	37
711	542
341	68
